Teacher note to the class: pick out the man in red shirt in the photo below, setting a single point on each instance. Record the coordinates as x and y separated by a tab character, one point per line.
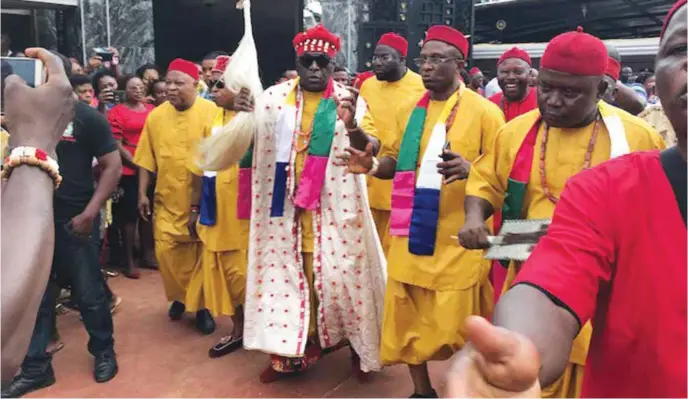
615	254
513	70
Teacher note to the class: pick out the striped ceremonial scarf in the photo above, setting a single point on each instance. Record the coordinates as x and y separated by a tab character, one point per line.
312	179
245	177
208	211
523	163
416	202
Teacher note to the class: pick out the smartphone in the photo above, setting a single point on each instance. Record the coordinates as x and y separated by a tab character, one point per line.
104	53
446	157
29	69
118	96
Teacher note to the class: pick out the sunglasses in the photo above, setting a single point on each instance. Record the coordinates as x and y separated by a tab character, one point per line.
321	60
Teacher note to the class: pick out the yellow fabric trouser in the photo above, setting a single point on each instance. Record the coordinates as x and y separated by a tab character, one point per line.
570	383
177	263
420	325
381	219
219	285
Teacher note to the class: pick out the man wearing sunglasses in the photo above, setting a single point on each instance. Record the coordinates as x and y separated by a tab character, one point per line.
376	110
315	277
433	282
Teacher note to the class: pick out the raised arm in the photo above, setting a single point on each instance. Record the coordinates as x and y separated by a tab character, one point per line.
36	117
536	321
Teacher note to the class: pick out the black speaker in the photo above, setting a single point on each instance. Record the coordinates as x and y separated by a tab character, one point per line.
411	19
191	29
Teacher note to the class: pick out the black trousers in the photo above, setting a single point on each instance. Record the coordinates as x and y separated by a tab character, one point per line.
75	263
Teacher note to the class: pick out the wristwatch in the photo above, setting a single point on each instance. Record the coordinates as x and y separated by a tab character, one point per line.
376	166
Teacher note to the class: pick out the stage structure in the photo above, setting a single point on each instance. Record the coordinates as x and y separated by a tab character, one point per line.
192	28
410	18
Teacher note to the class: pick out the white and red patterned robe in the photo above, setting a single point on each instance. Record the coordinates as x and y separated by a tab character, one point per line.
348	262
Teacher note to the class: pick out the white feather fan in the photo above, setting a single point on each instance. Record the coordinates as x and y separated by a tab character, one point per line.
227	146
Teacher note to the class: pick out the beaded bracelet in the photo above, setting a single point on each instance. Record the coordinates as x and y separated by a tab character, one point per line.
34	157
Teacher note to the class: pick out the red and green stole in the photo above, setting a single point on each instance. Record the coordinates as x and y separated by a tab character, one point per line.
245	177
523	163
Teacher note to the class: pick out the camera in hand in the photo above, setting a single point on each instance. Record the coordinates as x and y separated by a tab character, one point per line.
118	96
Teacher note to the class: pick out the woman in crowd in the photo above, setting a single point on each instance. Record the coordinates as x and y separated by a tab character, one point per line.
158	94
149	73
127	120
104	86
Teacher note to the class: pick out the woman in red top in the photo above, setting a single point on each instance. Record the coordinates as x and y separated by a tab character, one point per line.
127	120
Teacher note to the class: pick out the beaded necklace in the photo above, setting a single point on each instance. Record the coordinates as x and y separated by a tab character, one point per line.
586	163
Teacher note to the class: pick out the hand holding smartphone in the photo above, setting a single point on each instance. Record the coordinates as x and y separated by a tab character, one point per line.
29	69
447	156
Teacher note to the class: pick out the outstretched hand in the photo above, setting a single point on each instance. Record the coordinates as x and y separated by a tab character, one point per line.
496	363
356	161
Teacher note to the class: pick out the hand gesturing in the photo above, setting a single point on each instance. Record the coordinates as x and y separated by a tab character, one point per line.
356	161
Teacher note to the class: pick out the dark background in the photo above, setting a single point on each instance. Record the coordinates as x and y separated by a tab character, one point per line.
192	28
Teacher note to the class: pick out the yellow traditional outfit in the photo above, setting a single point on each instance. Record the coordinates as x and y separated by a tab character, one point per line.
4	140
565	155
376	111
166	147
429	297
220	284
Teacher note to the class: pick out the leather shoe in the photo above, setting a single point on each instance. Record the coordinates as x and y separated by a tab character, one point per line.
105	367
205	322
24	383
177	310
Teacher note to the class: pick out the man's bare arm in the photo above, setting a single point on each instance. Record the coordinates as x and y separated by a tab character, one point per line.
532	313
36	117
27	251
477	209
388	166
111	165
360	139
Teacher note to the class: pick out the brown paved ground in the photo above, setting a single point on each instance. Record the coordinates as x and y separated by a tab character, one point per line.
159	358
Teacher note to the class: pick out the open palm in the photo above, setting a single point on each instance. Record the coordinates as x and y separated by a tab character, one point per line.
356	161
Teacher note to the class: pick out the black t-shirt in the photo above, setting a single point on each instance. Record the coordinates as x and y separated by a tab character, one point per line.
88	136
675	170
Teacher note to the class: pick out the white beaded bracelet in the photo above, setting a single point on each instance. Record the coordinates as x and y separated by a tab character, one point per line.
34	157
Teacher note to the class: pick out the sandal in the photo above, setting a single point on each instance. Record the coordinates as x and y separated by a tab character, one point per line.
227	345
54	347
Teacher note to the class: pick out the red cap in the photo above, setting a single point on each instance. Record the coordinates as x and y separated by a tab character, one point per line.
613	68
671	13
221	63
449	35
394	41
474	71
516	52
317	40
184	66
577	53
